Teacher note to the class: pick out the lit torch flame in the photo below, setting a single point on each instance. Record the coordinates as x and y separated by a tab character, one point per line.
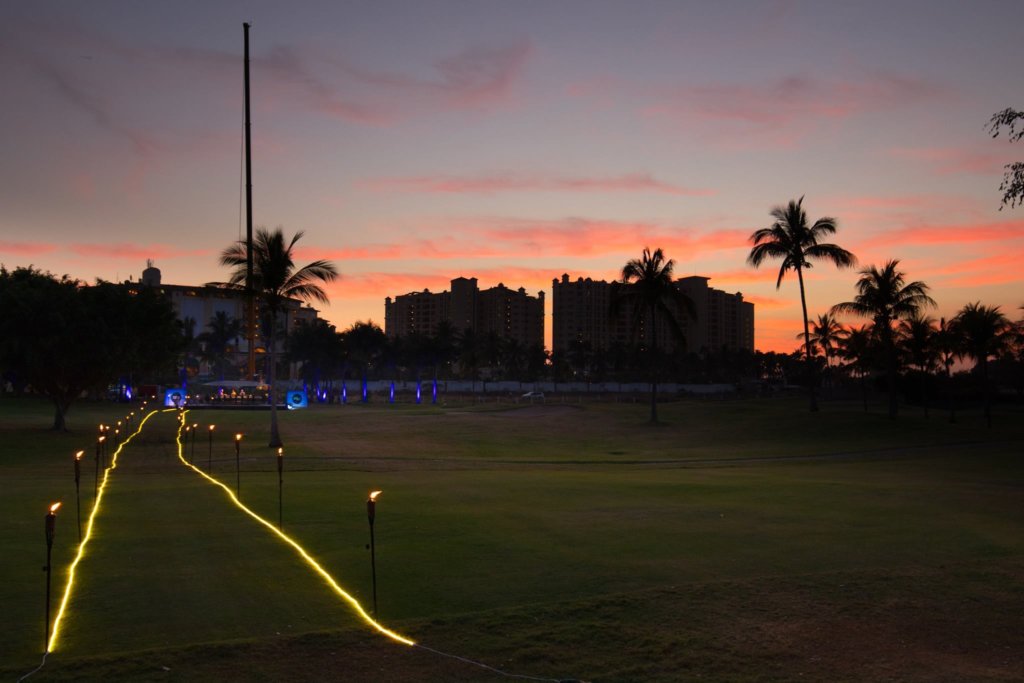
280	452
53	508
79	454
374	494
211	427
238	437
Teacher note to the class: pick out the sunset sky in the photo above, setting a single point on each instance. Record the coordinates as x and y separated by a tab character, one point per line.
414	142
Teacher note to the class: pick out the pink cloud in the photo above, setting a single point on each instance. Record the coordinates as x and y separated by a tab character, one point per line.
958	233
762	302
134	251
523	238
782	112
26	248
585	237
950	160
513	182
1000	268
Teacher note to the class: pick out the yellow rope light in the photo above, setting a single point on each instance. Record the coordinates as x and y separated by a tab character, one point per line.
300	550
88	534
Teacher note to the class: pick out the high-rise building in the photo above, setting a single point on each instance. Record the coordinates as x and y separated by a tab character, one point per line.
511	314
581	312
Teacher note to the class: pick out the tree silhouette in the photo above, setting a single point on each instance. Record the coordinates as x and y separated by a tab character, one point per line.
647	290
857	349
885	297
221	331
1012	186
826	334
918	336
948	344
64	338
791	239
984	331
275	280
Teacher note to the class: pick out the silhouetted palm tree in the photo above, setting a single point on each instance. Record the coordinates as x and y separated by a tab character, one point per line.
885	297
918	335
790	238
647	290
221	330
275	280
984	332
948	345
856	349
826	334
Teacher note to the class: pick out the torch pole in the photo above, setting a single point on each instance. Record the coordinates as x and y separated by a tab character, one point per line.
51	520
238	466
209	453
280	489
371	513
78	491
96	485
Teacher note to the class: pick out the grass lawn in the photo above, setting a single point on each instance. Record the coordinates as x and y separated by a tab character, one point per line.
743	540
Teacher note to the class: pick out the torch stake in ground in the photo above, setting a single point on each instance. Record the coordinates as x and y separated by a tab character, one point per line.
209	453
99	449
238	466
371	513
280	489
195	428
78	492
51	527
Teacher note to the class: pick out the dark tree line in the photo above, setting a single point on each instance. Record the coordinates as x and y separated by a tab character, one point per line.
61	338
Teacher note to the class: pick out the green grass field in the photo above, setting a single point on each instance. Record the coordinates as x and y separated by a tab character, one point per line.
744	540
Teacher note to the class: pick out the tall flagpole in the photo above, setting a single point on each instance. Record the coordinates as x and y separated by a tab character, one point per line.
249	289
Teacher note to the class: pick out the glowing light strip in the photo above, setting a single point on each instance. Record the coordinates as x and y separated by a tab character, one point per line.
299	549
88	534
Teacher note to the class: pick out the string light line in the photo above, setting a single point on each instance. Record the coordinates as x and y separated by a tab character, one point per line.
41	665
298	548
334	585
494	670
88	534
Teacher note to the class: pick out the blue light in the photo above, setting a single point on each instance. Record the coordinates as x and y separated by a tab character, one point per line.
391	395
366	395
418	392
175	398
344	392
433	398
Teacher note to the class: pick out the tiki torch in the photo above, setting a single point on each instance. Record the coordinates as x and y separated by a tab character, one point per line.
209	454
280	489
238	466
187	429
371	513
51	528
99	450
78	492
195	428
